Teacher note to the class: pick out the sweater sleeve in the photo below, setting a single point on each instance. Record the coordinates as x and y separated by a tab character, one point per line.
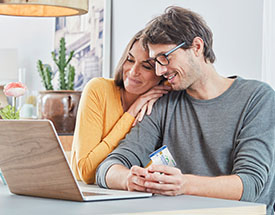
255	148
133	150
90	147
136	147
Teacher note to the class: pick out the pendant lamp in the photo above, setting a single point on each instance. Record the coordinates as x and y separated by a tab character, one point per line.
43	8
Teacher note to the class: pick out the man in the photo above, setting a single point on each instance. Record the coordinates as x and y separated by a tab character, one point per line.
220	131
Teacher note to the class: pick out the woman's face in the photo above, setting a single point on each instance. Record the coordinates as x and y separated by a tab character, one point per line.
138	75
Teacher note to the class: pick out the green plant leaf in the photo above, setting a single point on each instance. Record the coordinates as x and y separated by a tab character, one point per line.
8	113
70	78
65	70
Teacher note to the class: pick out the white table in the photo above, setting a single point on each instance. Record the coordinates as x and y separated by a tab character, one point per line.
11	204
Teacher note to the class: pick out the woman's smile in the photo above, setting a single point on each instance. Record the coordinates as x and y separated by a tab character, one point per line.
133	81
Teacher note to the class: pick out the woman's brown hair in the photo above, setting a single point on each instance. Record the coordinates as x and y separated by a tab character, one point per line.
119	68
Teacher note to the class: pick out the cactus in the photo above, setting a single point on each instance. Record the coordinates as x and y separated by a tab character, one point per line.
66	71
46	75
70	78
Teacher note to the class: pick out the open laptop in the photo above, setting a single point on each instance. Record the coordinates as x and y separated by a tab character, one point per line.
33	163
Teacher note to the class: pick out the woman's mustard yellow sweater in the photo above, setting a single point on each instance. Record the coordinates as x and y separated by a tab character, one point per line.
101	123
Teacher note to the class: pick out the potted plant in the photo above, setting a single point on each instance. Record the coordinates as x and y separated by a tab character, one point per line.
15	90
59	106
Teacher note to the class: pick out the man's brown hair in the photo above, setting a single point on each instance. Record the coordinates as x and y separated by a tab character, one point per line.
179	25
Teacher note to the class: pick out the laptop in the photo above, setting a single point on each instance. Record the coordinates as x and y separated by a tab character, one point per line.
33	163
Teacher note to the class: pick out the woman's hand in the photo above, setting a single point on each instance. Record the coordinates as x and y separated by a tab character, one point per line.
146	109
144	104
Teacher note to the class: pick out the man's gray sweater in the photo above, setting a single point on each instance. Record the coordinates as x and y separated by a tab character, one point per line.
231	134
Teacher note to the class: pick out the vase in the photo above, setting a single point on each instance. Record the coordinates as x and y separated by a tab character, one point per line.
61	108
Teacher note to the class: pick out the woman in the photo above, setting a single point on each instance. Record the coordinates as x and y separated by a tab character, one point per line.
108	109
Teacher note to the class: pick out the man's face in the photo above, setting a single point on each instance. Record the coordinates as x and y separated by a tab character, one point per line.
183	69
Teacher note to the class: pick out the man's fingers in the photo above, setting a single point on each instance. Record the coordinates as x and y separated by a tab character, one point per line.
168	170
134	187
136	179
136	170
160	186
163	192
160	178
136	183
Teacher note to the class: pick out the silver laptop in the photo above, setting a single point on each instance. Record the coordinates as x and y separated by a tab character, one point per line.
33	163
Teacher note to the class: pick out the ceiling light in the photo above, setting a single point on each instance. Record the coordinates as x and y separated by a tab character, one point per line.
43	8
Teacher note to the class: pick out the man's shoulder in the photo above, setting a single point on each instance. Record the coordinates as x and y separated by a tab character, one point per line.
254	86
172	96
254	93
170	100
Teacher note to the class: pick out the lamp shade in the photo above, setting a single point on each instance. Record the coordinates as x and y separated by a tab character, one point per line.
43	8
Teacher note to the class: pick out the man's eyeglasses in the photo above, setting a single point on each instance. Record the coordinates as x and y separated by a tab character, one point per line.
162	59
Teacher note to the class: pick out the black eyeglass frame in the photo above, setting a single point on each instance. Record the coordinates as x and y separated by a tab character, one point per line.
155	59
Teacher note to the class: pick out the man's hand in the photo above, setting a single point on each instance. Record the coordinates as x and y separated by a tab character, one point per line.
164	180
136	179
159	179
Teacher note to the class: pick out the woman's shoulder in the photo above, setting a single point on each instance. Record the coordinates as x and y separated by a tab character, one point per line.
100	84
102	89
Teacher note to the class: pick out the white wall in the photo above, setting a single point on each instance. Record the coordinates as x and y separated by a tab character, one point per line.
242	43
237	26
268	57
33	38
